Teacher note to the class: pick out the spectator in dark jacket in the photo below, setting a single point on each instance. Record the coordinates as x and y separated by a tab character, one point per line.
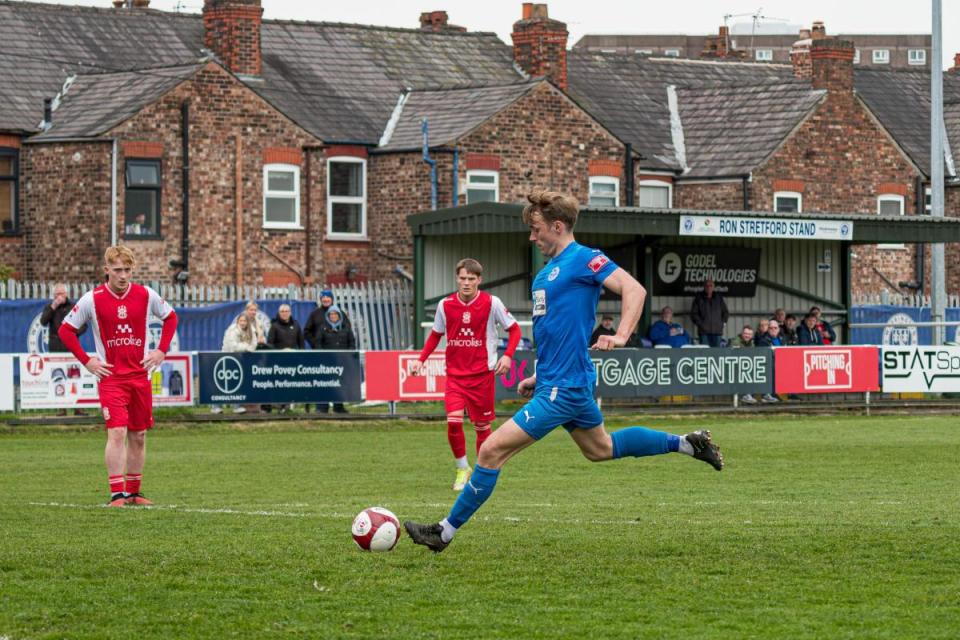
335	334
788	331
709	314
772	337
52	317
666	331
311	331
807	333
605	328
827	334
285	332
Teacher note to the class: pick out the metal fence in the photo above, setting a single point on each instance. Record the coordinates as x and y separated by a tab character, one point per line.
381	312
901	300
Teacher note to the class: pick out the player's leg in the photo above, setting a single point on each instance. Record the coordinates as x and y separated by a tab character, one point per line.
115	457
454	402
141	419
482	408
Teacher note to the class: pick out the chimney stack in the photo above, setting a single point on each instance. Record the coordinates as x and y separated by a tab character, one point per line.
540	44
956	62
800	53
131	4
232	32
831	64
719	47
437	22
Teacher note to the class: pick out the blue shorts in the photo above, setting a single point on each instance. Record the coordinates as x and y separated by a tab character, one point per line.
552	407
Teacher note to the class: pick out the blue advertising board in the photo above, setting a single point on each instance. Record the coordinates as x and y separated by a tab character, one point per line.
265	377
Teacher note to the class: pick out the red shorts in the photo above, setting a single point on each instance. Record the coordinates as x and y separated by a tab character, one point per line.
127	403
473	393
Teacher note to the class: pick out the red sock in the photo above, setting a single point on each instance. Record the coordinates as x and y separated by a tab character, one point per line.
116	484
458	444
483	432
133	482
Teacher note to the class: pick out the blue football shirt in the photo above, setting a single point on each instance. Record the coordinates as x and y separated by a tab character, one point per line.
565	295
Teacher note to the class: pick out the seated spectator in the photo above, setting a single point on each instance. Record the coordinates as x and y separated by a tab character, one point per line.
744	339
666	331
605	328
780	316
240	336
761	330
808	334
827	334
788	332
771	338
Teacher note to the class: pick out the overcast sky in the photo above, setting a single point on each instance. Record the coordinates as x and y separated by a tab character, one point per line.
618	16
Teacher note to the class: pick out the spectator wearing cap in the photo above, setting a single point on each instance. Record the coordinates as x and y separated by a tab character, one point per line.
313	330
605	328
666	331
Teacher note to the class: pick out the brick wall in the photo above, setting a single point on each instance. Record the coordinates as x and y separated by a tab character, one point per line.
715	196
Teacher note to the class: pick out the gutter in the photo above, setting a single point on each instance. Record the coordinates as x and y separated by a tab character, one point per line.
113	194
425	129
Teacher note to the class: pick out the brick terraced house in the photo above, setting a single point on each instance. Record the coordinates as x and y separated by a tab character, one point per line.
230	149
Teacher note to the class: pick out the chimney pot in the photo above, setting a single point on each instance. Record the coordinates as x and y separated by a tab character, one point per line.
804	34
956	62
527	11
819	31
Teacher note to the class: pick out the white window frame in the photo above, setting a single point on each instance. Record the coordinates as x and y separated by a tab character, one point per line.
482	186
928	201
763	55
660	184
788	194
856	56
267	168
881	56
361	200
643	52
672	53
604	180
921	59
891	197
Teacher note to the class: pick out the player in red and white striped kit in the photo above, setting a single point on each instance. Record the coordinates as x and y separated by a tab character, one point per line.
469	319
119	312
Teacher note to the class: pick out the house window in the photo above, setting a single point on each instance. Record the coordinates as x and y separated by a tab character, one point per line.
604	191
890	205
764	55
881	56
483	186
928	201
787	202
141	205
917	56
9	186
347	198
672	53
281	196
643	52
856	56
653	193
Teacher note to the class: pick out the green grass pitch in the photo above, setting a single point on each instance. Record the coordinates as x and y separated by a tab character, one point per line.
820	527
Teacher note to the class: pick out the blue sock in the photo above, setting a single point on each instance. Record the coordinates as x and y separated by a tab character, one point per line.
640	441
473	496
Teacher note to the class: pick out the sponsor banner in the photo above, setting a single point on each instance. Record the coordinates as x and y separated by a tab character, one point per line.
681	271
265	377
827	369
789	228
926	369
58	380
389	379
630	373
6	383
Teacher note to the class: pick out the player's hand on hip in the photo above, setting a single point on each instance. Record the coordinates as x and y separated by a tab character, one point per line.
153	360
607	343
98	367
503	365
527	386
416	368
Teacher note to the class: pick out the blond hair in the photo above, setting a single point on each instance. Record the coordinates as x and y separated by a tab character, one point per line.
471	265
119	253
551	205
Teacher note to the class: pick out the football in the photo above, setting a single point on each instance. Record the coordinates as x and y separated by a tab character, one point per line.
376	529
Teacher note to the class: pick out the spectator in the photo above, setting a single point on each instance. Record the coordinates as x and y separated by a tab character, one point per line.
285	332
239	337
709	314
772	337
762	327
605	328
52	317
780	316
808	334
314	326
744	340
252	317
789	331
666	331
827	334
335	335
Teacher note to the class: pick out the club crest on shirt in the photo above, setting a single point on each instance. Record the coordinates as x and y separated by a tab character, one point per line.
598	262
466	317
553	274
122	312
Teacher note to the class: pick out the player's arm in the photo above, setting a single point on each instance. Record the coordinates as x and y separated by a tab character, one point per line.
503	317
632	295
161	309
70	328
428	347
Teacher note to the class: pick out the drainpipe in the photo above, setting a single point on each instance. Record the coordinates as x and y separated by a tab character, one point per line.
113	195
238	211
456	176
628	174
746	193
920	267
307	214
424	127
185	150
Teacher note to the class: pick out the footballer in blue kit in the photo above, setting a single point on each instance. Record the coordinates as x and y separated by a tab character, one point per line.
564	295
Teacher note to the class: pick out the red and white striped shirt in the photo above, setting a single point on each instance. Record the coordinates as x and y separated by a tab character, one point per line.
471	330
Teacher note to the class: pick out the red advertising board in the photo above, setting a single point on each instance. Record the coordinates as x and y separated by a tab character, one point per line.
389	379
833	369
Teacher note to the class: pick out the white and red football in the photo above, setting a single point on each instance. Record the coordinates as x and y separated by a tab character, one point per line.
376	529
